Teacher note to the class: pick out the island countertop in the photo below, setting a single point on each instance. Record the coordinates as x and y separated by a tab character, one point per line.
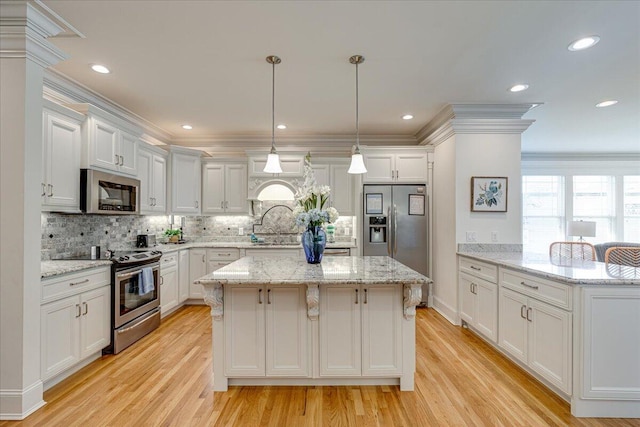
368	270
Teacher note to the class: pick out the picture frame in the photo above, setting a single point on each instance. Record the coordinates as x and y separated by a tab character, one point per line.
373	204
489	194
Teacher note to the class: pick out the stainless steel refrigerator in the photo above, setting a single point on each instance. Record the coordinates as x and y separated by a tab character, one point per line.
395	225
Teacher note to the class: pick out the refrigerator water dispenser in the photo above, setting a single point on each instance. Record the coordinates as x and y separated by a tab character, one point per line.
378	229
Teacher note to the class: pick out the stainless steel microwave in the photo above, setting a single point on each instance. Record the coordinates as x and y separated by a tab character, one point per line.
106	193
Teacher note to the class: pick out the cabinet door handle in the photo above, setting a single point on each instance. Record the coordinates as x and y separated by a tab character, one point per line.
155	201
259	296
197	204
522	311
473	267
50	190
268	296
86	308
528	285
44	192
161	280
121	161
528	312
471	287
78	283
202	258
397	174
365	296
226	204
356	296
221	204
117	160
79	313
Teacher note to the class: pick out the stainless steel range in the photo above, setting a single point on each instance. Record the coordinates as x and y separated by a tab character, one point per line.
136	297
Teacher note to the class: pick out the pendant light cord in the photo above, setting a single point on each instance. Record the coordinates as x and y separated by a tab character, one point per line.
357	115
273	106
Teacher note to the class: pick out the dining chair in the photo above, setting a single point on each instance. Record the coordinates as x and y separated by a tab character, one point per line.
572	251
623	255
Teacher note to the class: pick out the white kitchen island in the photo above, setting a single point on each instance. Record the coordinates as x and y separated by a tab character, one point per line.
282	321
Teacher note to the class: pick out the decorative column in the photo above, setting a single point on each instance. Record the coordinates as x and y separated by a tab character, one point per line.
24	54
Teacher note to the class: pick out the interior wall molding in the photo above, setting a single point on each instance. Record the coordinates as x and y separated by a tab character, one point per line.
567	156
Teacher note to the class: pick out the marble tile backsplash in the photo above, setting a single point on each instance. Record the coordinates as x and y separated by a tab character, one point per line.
72	235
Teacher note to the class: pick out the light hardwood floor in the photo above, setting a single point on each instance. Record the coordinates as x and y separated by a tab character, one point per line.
165	380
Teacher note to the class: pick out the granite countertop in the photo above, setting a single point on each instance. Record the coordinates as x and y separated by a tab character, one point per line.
172	247
286	270
574	272
55	268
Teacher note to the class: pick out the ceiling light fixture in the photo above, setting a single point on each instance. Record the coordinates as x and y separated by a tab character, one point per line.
606	103
357	162
583	43
273	159
187	127
100	69
281	126
407	117
518	88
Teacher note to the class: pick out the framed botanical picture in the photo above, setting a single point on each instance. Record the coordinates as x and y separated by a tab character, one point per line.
488	194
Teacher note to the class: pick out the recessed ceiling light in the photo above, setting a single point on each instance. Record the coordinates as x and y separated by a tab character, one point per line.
518	88
100	69
606	103
281	126
407	117
583	43
187	127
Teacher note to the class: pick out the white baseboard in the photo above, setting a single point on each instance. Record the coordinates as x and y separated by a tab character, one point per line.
68	372
19	404
448	312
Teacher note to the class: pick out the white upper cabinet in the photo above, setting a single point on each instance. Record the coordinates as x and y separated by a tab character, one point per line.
224	188
185	182
108	142
397	166
333	173
60	186
152	173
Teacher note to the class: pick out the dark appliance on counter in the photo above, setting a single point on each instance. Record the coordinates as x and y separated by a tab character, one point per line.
107	193
395	225
135	297
145	240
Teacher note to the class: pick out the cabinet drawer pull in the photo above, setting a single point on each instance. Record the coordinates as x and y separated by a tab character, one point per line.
365	295
259	296
356	296
268	296
523	283
79	312
528	312
86	308
224	254
473	267
522	311
79	283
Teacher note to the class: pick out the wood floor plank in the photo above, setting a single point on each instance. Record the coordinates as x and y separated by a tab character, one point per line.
165	379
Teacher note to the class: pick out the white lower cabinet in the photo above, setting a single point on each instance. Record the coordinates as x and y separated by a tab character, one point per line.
360	330
539	335
168	283
266	331
183	275
74	328
479	304
197	269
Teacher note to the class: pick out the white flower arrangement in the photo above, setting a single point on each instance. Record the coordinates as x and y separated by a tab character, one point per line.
311	199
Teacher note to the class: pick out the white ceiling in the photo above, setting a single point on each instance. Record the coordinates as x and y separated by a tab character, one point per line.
203	63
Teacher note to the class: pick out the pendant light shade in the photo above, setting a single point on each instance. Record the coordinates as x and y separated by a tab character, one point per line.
357	162
273	159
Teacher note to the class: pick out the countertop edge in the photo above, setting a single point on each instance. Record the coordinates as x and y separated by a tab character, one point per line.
49	269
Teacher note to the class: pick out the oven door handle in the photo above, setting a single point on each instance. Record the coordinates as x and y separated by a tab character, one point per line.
123	275
122	331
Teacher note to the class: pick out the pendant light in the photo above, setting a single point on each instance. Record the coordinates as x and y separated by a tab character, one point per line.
273	159
357	162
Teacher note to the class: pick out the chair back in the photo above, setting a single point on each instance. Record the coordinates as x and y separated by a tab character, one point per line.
623	255
572	250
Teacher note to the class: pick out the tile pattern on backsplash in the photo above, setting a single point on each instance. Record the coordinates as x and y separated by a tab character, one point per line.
72	235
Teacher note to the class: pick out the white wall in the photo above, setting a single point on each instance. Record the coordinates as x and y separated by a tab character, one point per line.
488	155
444	274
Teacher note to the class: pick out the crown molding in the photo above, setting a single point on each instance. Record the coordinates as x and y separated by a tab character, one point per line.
580	157
474	118
23	34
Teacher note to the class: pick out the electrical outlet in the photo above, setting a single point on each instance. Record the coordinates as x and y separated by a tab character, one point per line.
471	236
347	231
494	236
240	231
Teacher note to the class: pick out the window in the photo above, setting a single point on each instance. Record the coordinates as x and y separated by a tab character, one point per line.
594	200
542	211
631	208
